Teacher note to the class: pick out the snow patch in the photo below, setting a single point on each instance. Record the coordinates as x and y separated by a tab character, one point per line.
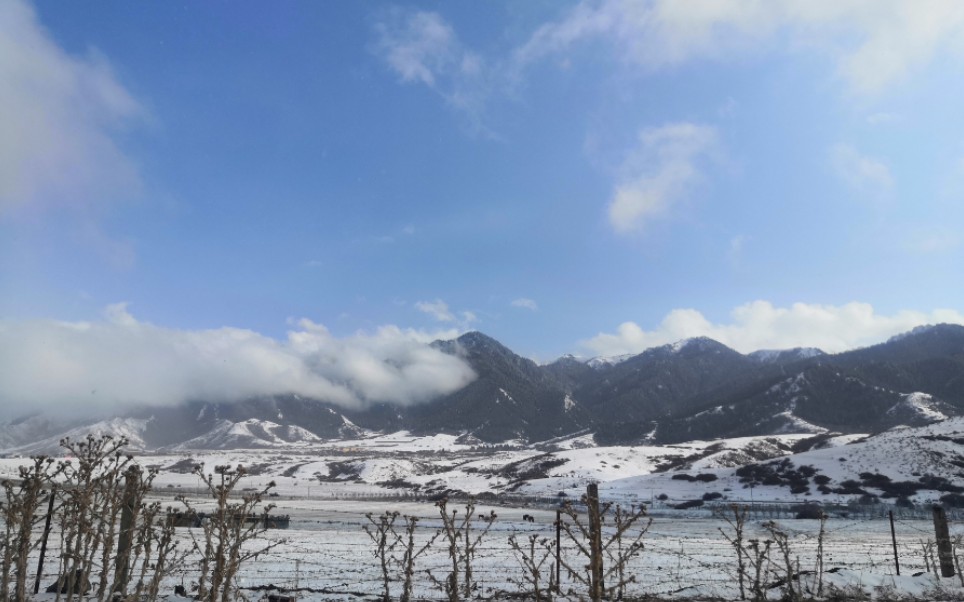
921	404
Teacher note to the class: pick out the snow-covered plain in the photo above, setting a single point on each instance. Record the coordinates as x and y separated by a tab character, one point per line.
326	555
328	488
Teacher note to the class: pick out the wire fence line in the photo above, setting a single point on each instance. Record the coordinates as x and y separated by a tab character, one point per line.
327	550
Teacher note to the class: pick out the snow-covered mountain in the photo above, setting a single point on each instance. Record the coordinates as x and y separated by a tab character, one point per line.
250	434
694	389
131	429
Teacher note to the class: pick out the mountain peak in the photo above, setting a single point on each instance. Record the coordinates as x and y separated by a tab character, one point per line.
696	345
474	337
699	343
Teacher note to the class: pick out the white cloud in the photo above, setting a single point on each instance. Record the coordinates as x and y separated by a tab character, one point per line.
873	43
659	173
418	46
121	361
760	325
59	115
422	48
525	303
868	176
438	309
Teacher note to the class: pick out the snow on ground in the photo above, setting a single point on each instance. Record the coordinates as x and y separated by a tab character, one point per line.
901	454
921	404
403	463
327	550
328	488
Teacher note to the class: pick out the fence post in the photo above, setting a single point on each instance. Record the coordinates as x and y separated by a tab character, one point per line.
121	566
943	536
893	539
43	540
597	589
558	549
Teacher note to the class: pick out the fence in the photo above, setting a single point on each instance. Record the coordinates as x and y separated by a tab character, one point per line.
326	551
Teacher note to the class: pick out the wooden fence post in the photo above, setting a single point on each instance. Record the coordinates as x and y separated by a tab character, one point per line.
943	536
43	539
597	589
893	540
558	549
121	568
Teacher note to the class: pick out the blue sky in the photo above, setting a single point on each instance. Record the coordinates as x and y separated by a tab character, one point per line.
588	177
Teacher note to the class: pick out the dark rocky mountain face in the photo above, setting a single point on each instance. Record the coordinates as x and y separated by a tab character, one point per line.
662	381
864	390
511	398
695	389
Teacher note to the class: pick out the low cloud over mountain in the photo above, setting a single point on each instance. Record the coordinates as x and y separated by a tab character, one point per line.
78	367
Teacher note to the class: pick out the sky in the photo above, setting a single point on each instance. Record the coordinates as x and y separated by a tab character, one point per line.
224	200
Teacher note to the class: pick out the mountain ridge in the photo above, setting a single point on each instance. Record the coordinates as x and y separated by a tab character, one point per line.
695	388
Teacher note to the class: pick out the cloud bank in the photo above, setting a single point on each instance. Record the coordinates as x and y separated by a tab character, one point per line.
121	361
760	325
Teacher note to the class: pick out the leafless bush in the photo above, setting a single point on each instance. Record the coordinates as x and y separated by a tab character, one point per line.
19	513
736	519
396	552
92	501
928	547
410	554
782	540
382	533
227	530
462	543
533	554
821	535
622	545
957	543
147	547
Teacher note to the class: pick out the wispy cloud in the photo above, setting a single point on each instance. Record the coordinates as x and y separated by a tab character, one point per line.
761	325
659	173
422	48
872	44
868	176
438	309
122	361
59	115
525	303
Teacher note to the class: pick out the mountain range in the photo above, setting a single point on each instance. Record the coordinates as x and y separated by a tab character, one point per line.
694	389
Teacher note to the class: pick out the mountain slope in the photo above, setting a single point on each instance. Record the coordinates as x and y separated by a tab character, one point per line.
512	398
694	389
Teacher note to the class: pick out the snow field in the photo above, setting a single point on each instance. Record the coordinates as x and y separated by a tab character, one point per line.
327	550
